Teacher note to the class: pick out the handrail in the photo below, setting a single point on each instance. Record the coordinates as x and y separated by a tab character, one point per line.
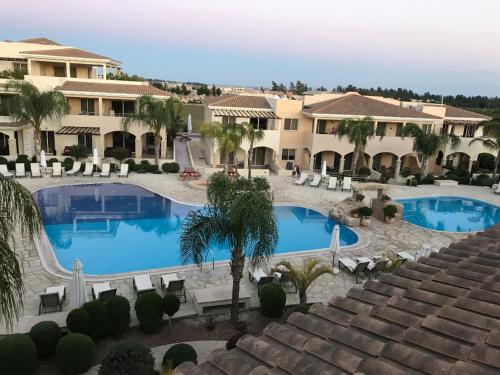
205	260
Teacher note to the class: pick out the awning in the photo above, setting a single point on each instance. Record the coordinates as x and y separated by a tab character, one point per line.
244	113
79	130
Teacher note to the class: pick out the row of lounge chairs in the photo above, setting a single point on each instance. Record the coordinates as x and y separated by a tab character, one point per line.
57	170
261	277
333	181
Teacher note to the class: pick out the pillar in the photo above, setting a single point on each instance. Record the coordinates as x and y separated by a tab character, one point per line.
138	147
398	167
12	146
68	70
315	125
469	167
100	107
311	163
163	149
104	69
341	164
370	162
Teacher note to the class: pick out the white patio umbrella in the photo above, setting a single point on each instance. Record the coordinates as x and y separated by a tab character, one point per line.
95	157
78	296
335	245
43	159
190	124
323	169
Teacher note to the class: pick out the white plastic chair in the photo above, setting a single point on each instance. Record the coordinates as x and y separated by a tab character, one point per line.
332	183
89	169
56	170
35	170
302	179
20	170
105	170
4	171
76	168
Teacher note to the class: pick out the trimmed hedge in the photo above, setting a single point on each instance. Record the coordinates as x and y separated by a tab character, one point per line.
78	321
482	180
170	167
302	308
171	304
149	310
98	315
427	180
52	161
129	358
75	353
45	335
178	354
18	355
272	300
118	309
3	160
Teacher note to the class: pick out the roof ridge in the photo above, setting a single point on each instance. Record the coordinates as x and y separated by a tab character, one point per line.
330	101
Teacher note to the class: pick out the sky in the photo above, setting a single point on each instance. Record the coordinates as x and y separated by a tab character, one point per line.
444	46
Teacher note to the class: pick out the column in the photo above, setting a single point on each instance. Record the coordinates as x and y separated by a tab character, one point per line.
469	167
163	148
68	70
104	69
138	147
398	167
100	107
12	146
370	162
315	125
311	163
341	165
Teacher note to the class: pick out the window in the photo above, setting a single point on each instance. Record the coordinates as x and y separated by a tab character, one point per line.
288	154
122	108
22	67
259	123
59	71
291	124
72	72
469	131
321	127
399	130
48	143
85	140
226	120
380	131
87	107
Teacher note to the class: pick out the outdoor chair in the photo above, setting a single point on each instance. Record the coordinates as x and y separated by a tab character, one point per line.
497	191
105	170
302	179
143	284
172	284
20	170
56	170
284	280
4	171
260	278
316	180
103	291
89	169
346	183
35	170
332	183
52	299
357	269
75	170
378	266
404	256
123	170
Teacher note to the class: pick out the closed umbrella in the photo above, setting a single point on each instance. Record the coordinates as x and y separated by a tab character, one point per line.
323	169
335	243
43	159
95	157
190	124
78	296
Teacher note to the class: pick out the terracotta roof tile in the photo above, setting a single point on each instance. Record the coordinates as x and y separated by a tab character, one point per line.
463	113
111	88
239	101
42	40
67	52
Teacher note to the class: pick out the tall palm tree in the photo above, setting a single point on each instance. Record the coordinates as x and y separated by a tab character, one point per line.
33	107
358	132
18	211
490	139
228	136
302	277
253	135
239	215
427	144
175	122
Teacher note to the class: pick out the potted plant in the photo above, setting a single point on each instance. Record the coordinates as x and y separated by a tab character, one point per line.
359	197
365	213
385	198
355	213
390	212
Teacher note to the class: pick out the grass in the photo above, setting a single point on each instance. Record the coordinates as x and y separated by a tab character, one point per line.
196	111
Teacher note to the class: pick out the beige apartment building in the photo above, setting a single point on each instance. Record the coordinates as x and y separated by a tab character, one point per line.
303	132
97	104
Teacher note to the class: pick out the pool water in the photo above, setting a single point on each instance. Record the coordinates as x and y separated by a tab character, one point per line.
115	228
450	214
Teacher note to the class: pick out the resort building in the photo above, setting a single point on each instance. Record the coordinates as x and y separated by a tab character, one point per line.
97	104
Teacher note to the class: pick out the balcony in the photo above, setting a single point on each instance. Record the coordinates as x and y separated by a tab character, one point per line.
271	140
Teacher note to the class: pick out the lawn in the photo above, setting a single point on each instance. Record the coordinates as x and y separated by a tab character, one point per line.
196	111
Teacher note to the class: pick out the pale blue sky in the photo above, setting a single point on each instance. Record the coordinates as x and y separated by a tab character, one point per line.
445	46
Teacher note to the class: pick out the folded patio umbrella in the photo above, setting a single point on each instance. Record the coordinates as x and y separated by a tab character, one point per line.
323	169
190	125
78	295
43	159
335	242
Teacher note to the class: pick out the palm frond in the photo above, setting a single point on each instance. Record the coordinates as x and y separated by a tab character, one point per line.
11	285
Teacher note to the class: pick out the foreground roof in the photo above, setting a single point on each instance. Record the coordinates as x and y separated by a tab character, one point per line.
110	88
67	52
440	315
463	113
359	105
41	40
239	101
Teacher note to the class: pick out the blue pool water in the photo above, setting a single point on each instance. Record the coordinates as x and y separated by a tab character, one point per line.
114	228
451	214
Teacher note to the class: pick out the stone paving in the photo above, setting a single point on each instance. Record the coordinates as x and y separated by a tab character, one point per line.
379	238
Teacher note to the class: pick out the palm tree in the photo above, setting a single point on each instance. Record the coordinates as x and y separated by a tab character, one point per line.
302	277
427	144
239	215
358	132
490	139
175	122
33	107
252	134
18	211
228	136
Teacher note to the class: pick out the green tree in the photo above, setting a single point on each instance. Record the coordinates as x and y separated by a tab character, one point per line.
228	137
32	106
175	123
427	144
490	139
252	135
302	277
18	212
358	132
239	215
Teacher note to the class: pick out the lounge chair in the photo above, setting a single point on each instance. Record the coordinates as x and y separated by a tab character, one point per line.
35	170
75	170
174	285
332	183
356	268
404	256
260	277
105	170
20	170
143	284
4	171
89	169
302	179
284	280
103	291
346	184
56	170
123	170
497	191
316	180
379	266
52	299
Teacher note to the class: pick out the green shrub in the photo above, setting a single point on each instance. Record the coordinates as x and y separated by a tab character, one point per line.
303	308
170	167
3	160
272	300
68	161
22	159
385	198
75	353
390	210
120	153
98	315
145	163
140	170
45	335
364	171
365	211
17	355
171	304
178	354
482	180
152	168
11	165
128	358
118	309
156	171
78	151
427	180
149	310
52	161
233	340
78	321
359	197
452	176
131	164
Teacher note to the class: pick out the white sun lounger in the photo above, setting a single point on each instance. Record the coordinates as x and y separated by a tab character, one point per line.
60	290
123	170
497	191
20	170
260	277
89	169
172	284
103	290
346	184
405	256
35	170
4	171
142	284
355	268
105	170
56	170
316	180
76	168
302	179
332	183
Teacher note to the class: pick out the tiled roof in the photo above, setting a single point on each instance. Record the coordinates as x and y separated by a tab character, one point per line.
463	113
111	88
68	52
42	40
239	101
359	105
440	315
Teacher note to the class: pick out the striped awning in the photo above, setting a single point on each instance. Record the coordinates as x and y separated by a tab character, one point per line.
79	130
244	113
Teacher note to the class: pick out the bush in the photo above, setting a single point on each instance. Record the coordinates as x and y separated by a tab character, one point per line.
131	164
170	167
272	300
427	180
78	151
145	163
233	340
98	315
45	335
140	170
75	353
171	304
452	176
68	161
178	354
120	153
118	309
364	171
303	308
390	210
52	161
78	321
17	355
11	165
22	159
385	198
149	310
3	160
152	168
129	358
482	180
365	211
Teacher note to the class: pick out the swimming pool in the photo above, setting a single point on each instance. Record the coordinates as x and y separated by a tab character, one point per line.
450	214
116	228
